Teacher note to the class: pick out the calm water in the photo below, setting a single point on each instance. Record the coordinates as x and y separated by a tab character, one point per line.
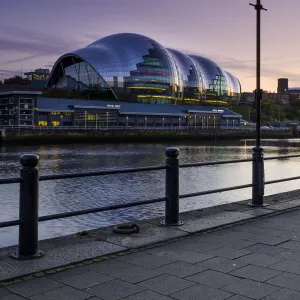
73	194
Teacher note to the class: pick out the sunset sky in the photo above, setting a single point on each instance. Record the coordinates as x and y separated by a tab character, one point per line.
34	33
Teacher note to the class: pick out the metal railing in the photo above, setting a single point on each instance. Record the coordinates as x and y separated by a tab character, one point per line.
144	127
29	193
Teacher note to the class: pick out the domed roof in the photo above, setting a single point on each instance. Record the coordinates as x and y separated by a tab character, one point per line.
119	54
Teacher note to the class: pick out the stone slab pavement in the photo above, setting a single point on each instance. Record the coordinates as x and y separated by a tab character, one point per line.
254	260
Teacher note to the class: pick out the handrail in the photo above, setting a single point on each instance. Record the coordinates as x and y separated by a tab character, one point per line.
100	173
99	209
210	163
244	186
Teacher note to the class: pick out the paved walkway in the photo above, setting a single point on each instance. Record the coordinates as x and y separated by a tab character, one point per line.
256	260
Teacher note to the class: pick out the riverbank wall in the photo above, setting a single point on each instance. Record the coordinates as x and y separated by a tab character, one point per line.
60	136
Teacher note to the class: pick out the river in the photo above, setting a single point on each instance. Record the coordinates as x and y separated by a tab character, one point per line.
74	194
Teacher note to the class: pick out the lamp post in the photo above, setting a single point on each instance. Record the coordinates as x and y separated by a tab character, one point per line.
96	120
195	123
257	155
163	122
145	122
126	121
214	121
107	113
85	120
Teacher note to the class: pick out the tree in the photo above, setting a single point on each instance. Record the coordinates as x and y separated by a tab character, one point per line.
16	80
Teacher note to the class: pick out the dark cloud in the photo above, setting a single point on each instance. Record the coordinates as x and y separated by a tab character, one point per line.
35	43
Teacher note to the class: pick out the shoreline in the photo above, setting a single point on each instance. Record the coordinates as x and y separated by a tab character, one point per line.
35	136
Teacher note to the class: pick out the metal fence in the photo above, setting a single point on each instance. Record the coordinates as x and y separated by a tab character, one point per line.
29	193
146	127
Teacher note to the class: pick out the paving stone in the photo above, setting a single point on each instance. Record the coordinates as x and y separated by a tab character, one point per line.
255	273
264	249
68	273
289	254
114	290
85	280
11	296
259	230
250	288
136	274
292	245
257	259
146	260
238	297
202	292
268	240
284	294
180	269
109	267
7	295
287	266
147	295
195	246
213	278
35	286
221	264
238	244
166	284
180	254
3	292
286	280
64	293
229	252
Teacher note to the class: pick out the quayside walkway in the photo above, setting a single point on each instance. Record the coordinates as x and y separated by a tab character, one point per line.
259	259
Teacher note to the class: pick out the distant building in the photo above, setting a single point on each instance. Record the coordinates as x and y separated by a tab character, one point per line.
283	86
137	68
38	78
29	108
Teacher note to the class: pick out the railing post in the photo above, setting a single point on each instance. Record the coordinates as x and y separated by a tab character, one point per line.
172	188
28	211
258	177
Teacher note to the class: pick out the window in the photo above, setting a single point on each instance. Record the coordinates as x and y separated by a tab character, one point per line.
11	100
11	122
11	111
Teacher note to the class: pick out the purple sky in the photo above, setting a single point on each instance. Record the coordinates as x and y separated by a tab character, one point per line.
34	33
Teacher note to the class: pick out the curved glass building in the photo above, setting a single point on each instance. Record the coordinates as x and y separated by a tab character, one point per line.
137	68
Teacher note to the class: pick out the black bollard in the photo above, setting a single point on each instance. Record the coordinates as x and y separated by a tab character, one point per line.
28	211
258	177
172	188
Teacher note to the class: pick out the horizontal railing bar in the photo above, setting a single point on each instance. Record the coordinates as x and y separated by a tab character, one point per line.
10	180
281	157
99	209
282	180
100	173
210	163
10	223
216	191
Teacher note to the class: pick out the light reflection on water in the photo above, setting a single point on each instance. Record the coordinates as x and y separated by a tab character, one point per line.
74	194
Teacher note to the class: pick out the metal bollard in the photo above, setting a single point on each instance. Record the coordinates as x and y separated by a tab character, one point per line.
258	177
28	211
172	188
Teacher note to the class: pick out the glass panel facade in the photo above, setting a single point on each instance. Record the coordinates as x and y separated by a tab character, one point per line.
138	68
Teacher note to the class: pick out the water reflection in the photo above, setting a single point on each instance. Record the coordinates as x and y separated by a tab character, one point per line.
73	194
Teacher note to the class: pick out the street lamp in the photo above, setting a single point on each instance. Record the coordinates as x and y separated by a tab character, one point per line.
195	122
145	122
107	113
163	122
126	121
96	120
257	154
85	120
